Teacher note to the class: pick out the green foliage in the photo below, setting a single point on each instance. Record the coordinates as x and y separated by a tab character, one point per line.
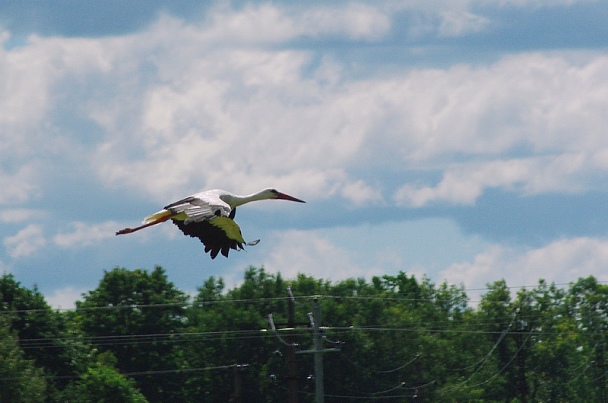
102	382
43	333
20	380
33	318
136	315
136	338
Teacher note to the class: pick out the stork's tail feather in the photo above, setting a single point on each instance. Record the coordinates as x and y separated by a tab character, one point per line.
157	216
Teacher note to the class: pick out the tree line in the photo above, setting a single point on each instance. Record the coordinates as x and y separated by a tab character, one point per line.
137	338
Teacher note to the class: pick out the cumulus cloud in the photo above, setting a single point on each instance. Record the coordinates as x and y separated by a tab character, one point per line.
189	114
26	242
20	214
25	95
361	193
464	183
354	20
64	298
309	253
20	186
277	130
560	261
421	117
267	23
84	234
533	3
460	23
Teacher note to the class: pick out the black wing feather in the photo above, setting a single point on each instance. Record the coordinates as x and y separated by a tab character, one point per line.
177	203
214	239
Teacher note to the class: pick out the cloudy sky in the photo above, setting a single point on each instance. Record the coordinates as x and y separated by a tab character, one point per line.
465	140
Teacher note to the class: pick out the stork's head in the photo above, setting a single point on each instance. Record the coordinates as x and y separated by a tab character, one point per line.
275	194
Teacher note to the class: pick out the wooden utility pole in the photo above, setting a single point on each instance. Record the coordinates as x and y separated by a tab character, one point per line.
316	318
315	321
238	383
318	351
292	371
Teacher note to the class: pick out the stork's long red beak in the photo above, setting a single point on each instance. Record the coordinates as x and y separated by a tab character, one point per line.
283	196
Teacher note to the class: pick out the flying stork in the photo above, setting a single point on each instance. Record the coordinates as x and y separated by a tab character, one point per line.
209	216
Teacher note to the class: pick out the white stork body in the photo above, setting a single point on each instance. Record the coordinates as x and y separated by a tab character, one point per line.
209	216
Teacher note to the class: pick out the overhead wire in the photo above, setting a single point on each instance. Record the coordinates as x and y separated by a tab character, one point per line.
369	374
256	333
482	362
443	323
225	299
399	368
586	364
501	370
139	373
377	394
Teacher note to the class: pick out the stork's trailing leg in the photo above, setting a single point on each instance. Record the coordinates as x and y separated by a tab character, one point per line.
146	225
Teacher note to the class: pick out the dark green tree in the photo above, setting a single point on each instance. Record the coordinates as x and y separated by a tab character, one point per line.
135	338
497	319
552	351
229	332
588	303
139	317
42	332
20	380
101	382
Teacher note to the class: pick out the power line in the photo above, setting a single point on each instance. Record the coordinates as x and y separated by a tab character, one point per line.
225	299
399	367
139	373
179	337
487	356
501	370
586	364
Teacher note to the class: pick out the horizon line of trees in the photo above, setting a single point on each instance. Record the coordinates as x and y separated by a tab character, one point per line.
137	338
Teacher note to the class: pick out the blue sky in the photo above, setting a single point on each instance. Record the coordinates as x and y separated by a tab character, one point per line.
462	140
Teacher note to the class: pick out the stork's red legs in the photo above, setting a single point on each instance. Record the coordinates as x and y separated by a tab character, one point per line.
129	230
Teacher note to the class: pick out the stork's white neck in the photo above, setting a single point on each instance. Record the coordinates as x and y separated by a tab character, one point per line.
237	200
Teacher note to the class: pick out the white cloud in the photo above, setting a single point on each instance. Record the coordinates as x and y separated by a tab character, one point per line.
26	242
268	23
29	89
188	113
354	20
551	106
361	193
247	119
24	98
460	23
533	3
20	186
84	234
20	214
64	298
560	261
309	253
464	183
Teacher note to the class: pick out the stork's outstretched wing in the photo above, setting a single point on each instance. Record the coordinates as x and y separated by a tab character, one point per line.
219	234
